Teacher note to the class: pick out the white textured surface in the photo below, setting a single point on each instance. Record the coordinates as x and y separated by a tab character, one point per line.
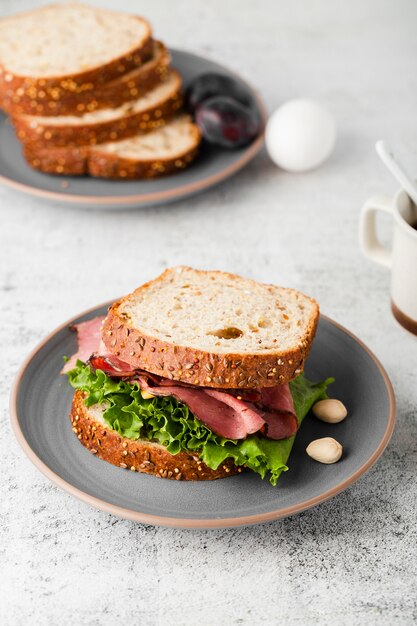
352	560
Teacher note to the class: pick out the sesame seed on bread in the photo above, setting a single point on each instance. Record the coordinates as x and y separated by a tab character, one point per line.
138	455
163	151
213	329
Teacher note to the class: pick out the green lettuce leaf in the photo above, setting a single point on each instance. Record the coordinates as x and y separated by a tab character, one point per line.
172	424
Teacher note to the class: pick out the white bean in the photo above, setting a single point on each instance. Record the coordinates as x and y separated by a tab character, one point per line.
326	450
330	411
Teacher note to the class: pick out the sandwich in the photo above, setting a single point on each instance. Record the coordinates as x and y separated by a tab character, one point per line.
196	375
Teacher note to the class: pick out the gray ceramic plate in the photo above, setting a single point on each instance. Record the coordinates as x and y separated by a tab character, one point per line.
213	165
40	405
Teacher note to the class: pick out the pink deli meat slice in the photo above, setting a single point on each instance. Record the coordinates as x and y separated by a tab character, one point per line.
279	415
89	338
225	414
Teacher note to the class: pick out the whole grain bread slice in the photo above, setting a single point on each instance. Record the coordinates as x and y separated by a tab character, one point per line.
213	329
163	151
138	455
66	47
130	86
148	112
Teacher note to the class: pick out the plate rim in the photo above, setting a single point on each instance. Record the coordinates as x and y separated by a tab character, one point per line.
173	522
159	196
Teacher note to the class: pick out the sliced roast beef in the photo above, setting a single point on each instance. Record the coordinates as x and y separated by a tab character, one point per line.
227	415
278	398
248	415
279	425
89	339
222	413
280	418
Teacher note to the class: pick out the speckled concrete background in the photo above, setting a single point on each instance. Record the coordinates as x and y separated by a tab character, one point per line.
350	561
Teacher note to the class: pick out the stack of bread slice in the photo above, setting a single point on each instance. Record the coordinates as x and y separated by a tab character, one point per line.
89	91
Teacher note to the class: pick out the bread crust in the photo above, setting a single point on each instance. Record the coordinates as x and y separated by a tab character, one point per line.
131	85
78	161
140	456
198	367
32	87
59	161
132	123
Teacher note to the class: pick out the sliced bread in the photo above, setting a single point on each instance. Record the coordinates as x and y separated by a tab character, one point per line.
150	111
213	329
68	46
159	152
137	455
130	86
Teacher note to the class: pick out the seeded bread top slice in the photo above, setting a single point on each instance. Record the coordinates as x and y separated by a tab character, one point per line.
68	39
213	329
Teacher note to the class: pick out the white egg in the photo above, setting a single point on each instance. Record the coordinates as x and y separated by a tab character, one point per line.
300	135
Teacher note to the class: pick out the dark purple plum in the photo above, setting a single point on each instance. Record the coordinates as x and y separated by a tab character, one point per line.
206	86
226	122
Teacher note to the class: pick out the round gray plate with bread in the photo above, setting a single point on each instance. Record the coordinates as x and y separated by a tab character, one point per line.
211	167
40	406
